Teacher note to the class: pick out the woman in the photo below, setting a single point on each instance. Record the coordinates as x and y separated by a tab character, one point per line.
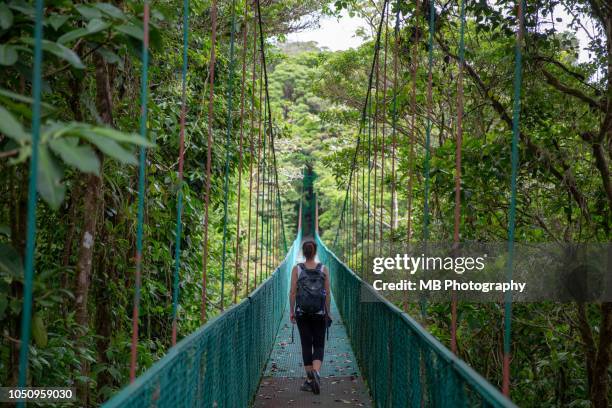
309	300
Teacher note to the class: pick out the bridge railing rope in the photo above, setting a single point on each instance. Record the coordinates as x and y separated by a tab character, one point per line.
403	364
221	363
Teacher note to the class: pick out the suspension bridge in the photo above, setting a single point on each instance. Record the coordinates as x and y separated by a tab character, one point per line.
377	355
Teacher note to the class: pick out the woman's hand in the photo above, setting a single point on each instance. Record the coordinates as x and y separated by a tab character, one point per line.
292	317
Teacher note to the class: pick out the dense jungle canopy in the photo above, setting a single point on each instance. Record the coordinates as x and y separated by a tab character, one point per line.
562	353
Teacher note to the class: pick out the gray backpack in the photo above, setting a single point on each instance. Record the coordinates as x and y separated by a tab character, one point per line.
311	294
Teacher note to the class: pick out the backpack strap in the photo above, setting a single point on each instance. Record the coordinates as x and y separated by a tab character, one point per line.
319	267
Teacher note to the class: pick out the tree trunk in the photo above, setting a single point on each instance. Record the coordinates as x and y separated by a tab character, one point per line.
92	198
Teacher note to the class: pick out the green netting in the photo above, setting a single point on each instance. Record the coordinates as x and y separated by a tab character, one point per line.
221	363
404	365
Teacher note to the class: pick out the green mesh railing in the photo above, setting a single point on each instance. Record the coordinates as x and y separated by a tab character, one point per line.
221	363
403	364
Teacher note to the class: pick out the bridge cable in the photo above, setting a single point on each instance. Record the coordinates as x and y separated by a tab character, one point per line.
426	166
412	140
259	180
458	142
265	71
240	148
394	128
141	189
28	278
375	151
382	145
230	118
211	113
362	121
516	114
179	205
252	158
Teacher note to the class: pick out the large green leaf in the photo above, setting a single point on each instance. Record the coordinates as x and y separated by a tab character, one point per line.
132	138
8	54
57	20
6	17
109	147
16	96
88	12
73	35
39	331
12	128
50	176
59	51
94	26
83	158
131	30
110	10
10	262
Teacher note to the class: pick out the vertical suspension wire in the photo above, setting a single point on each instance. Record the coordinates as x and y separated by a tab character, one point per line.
426	169
28	283
394	128
373	164
262	131
230	118
273	150
252	158
264	203
268	221
240	148
363	188
413	138
382	142
430	46
361	125
211	116
516	116
259	175
141	189
458	143
179	200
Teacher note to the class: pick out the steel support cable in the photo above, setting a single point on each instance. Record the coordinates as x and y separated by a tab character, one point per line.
179	204
211	116
363	117
269	220
412	139
458	143
265	71
382	143
363	190
240	148
230	123
141	189
259	175
252	158
28	278
430	45
263	190
394	129
516	116
372	145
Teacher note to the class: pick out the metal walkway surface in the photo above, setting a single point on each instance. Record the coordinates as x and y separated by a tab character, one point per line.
341	382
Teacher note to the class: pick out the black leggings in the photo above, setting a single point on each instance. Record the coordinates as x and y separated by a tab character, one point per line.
312	337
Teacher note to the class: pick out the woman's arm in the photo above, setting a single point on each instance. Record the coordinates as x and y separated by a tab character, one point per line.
292	294
328	291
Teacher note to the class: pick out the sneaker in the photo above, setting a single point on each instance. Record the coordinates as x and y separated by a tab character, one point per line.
316	383
307	386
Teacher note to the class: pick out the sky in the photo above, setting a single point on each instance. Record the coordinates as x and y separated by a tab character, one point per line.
335	34
339	34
